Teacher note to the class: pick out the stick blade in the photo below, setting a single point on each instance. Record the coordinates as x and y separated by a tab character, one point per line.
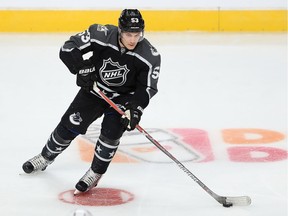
239	201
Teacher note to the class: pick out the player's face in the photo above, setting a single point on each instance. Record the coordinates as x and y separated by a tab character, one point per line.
130	39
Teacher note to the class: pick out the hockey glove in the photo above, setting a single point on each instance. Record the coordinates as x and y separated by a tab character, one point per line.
86	77
132	116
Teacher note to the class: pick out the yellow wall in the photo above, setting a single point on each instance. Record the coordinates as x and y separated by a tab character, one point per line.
156	20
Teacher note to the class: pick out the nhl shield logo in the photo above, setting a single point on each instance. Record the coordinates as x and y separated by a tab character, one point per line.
112	73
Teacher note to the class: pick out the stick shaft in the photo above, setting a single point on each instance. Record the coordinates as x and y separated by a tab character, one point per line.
218	198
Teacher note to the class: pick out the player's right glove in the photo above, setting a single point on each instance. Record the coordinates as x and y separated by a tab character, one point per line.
86	76
132	116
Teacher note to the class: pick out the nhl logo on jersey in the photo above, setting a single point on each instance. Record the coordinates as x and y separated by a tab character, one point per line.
112	73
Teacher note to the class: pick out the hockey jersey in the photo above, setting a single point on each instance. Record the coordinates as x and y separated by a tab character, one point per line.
119	71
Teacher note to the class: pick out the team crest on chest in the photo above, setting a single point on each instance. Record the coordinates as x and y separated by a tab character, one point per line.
112	73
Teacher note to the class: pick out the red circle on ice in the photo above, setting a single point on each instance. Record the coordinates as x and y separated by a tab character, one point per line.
97	197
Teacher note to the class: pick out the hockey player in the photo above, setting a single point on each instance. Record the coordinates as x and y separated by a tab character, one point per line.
125	66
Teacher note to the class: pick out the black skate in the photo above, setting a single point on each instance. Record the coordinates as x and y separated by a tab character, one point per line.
35	164
88	181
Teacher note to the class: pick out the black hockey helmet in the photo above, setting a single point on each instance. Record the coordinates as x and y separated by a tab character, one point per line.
131	20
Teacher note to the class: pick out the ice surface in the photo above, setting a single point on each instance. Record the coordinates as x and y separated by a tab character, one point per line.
209	81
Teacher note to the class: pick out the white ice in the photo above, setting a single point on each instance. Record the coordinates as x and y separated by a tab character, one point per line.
209	81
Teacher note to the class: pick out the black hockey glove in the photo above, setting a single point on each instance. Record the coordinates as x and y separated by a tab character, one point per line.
86	77
132	116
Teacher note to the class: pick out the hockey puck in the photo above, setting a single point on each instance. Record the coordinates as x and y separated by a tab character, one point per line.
227	205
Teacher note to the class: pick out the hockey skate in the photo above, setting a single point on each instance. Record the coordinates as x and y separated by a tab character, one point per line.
88	181
35	164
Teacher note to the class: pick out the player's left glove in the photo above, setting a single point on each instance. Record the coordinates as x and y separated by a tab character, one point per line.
132	116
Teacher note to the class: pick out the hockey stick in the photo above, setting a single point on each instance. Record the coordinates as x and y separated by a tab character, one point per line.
226	201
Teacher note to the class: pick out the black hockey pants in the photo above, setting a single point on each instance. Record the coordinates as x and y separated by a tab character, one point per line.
82	112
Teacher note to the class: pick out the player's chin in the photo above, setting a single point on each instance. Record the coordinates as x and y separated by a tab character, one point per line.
131	46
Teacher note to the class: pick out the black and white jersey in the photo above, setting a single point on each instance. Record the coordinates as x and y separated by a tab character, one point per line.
119	71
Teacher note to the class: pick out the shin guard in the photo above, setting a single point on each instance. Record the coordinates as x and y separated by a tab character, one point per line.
54	146
104	152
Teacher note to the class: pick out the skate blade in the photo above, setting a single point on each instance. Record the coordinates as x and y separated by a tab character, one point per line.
30	174
77	192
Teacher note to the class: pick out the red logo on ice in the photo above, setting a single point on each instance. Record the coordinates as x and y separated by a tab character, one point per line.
186	144
97	197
